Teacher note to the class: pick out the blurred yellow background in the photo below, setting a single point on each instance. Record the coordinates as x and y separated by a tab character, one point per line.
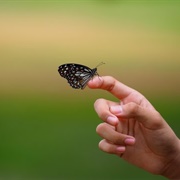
48	128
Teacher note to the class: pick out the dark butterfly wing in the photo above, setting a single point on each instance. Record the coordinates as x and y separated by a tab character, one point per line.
77	75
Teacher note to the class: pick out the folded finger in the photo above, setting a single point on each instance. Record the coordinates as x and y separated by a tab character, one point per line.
110	134
102	107
110	148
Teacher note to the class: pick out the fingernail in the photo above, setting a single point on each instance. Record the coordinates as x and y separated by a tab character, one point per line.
121	148
129	141
97	79
117	110
112	120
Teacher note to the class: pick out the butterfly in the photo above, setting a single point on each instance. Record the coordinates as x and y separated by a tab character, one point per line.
77	75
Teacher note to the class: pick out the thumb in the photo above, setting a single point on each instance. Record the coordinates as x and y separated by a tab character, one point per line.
148	117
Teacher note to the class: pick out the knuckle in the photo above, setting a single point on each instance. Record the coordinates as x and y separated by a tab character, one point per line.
100	144
158	120
98	102
101	109
103	115
100	128
106	147
111	85
103	146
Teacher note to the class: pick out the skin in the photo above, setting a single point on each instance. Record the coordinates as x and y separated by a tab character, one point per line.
135	131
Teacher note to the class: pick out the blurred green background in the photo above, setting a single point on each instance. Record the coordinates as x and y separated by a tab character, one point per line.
47	129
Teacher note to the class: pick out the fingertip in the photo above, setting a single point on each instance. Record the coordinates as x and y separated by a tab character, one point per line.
113	120
117	110
121	149
130	141
95	82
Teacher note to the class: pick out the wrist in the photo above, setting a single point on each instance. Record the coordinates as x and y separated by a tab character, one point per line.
172	168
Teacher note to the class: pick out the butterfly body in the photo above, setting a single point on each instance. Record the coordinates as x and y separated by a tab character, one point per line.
77	75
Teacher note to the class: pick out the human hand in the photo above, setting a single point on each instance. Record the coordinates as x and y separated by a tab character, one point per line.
134	130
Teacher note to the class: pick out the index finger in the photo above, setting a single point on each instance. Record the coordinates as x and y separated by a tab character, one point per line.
112	85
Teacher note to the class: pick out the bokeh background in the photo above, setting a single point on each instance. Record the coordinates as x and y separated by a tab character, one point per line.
47	129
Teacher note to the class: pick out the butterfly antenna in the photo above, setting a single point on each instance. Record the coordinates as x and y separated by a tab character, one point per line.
101	63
